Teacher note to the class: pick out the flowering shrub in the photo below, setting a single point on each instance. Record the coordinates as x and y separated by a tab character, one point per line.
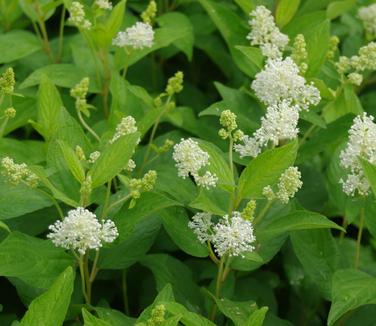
187	162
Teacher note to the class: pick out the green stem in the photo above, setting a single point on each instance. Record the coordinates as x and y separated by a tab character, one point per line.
54	201
106	200
94	269
152	135
86	126
212	255
359	238
263	212
61	35
87	277
218	286
119	201
307	134
83	283
124	290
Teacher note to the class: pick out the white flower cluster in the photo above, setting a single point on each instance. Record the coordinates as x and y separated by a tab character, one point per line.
230	236
103	4
361	144
285	93
279	124
126	126
289	184
82	231
368	18
280	80
138	36
77	16
266	34
17	173
190	159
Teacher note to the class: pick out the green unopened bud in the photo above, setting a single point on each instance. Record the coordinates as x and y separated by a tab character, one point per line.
86	189
80	153
333	47
238	135
17	173
131	165
343	65
228	120
10	113
158	315
79	92
148	180
355	78
150	12
175	84
7	82
158	101
165	147
268	193
249	211
299	52
223	133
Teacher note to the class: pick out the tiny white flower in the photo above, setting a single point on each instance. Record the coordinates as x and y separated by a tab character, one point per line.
280	80
94	156
103	4
289	184
126	126
368	17
266	34
249	147
138	36
233	236
201	225
82	231
77	16
361	144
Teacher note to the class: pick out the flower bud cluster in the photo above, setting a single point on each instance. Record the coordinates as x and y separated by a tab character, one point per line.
228	122
77	16
79	92
17	173
299	53
137	186
149	13
7	82
289	183
126	127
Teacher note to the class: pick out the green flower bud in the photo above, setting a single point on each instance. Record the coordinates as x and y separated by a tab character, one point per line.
175	84
10	113
150	12
7	82
80	153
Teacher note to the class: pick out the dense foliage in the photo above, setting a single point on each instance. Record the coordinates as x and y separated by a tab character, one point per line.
187	162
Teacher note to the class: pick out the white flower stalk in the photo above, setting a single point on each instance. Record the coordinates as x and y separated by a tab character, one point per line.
266	34
201	225
126	127
279	124
280	80
233	236
81	231
138	36
361	144
368	17
190	159
288	185
103	4
77	16
17	173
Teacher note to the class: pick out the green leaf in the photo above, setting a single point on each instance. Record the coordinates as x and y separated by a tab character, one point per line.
17	44
351	289
298	220
49	108
73	162
34	261
318	253
50	308
254	57
337	8
167	269
90	320
285	11
231	26
113	159
218	165
63	75
4	227
20	200
370	172
175	222
257	317
114	317
238	312
104	33
188	318
266	169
